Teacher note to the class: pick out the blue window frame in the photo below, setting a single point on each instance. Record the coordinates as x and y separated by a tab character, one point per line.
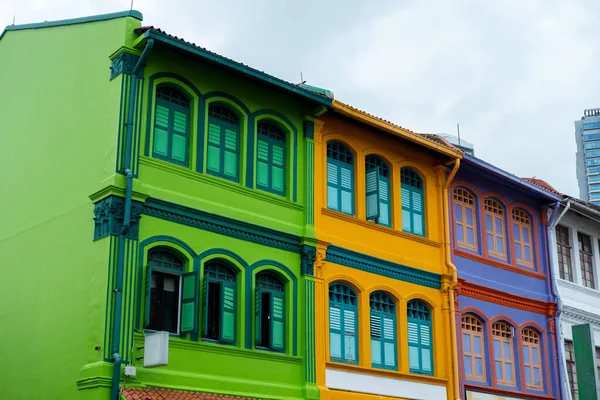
413	207
223	150
271	158
378	190
420	348
343	324
270	312
171	125
340	178
383	331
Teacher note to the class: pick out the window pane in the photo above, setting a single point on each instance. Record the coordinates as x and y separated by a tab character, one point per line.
508	372
527	375
525	354
518	253
507	352
516	232
469	215
525	235
537	377
468	366
478	367
498	223
466	343
535	357
498	370
384	212
458	213
332	198
376	351
500	245
476	345
335	345
496	348
527	251
488	223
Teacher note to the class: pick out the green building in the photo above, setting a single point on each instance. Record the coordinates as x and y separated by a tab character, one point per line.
152	185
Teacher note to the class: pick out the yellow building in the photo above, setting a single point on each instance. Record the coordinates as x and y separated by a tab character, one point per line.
384	281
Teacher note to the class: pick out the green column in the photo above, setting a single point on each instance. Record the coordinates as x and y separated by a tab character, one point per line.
585	358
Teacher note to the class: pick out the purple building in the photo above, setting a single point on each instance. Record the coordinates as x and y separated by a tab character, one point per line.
506	302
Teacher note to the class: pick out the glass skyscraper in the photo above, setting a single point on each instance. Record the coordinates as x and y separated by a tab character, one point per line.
587	136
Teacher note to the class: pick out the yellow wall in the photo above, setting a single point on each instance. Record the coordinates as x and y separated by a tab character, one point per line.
355	233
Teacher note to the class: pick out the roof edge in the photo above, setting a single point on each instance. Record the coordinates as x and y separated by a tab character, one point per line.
73	21
513	178
395	130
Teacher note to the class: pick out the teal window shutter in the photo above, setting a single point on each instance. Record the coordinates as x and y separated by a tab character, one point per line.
383	331
171	125
340	178
343	324
223	150
271	158
219	302
270	312
147	310
378	190
189	302
413	215
420	348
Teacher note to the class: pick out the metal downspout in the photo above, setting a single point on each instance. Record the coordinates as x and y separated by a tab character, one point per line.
453	340
565	394
126	224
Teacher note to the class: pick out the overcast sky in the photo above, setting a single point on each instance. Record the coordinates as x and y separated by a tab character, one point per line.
514	73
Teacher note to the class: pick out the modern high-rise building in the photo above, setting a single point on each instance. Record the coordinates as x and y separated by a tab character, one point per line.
587	136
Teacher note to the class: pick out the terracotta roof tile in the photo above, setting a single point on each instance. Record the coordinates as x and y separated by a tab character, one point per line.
154	393
543	184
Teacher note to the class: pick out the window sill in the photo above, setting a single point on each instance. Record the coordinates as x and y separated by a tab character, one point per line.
183	344
504	392
579	287
508	267
220	182
380	228
386	373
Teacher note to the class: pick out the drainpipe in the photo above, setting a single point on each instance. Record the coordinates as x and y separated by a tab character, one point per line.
453	340
126	225
562	373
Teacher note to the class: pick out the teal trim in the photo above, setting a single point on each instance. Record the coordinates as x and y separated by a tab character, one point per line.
238	102
343	323
236	66
221	225
308	127
324	92
364	262
74	21
290	276
222	252
108	217
168	123
123	63
420	337
383	331
222	147
308	255
266	146
413	202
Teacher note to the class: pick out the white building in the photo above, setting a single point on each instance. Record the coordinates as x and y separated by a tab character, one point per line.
575	240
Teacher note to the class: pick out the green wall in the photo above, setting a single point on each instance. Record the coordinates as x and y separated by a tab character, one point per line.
59	114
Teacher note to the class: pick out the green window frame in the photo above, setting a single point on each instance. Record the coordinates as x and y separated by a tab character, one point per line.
223	142
271	158
270	315
378	191
383	331
340	178
413	202
420	338
171	139
176	313
219	302
343	324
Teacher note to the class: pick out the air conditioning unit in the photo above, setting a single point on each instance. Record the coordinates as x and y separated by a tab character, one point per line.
156	349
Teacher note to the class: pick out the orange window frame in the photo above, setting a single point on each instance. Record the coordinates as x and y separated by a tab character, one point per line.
522	221
495	211
466	201
531	342
503	334
472	328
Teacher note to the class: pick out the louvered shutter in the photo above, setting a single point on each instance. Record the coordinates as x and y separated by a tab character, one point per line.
425	343
372	185
205	287
230	158
335	332
389	342
384	201
149	270
278	168
350	336
347	189
376	340
180	135
262	163
277	321
161	130
417	211
406	209
257	315
213	162
413	346
333	188
189	302
228	308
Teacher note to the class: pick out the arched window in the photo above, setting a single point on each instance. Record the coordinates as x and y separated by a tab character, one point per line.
165	275
473	347
413	207
171	125
223	151
343	326
340	178
378	190
269	309
219	302
494	228
383	331
532	362
420	348
464	219
522	237
502	335
270	158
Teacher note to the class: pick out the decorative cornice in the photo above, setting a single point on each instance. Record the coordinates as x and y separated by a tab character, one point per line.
123	63
221	225
309	129
580	315
379	266
308	255
94	382
109	217
319	262
474	291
